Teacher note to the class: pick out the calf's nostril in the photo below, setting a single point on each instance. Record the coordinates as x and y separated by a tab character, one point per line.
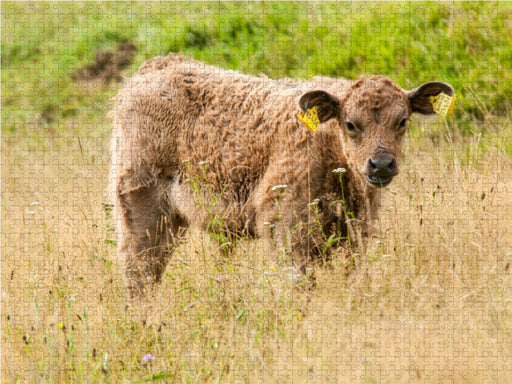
392	165
386	165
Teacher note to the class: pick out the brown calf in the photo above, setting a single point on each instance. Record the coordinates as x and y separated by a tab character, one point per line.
185	131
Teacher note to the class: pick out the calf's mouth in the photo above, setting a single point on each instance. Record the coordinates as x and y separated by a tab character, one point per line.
379	181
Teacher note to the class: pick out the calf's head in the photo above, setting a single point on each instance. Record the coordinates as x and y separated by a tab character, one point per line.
371	118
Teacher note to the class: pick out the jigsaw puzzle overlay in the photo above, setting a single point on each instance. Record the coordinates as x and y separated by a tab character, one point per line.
197	284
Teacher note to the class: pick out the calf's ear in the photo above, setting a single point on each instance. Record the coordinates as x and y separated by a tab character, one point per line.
327	104
420	98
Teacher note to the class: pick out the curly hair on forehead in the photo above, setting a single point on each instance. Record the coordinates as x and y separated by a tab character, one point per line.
375	92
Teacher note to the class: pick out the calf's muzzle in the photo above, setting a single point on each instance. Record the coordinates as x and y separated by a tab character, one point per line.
381	170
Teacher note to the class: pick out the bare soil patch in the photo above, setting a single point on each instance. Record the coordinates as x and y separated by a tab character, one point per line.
107	64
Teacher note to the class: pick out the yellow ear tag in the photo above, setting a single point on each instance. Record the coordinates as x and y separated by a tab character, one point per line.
310	118
442	103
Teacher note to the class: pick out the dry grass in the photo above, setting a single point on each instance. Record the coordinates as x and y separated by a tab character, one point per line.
429	301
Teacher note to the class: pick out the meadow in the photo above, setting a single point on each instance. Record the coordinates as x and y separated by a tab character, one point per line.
428	300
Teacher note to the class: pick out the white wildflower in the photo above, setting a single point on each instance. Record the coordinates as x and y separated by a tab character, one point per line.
314	203
279	187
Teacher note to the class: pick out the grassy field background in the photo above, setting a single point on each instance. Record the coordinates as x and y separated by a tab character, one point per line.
430	300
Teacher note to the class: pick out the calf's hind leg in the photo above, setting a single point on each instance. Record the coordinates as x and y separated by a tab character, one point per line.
150	226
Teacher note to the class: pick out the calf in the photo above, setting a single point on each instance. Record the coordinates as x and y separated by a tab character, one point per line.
247	148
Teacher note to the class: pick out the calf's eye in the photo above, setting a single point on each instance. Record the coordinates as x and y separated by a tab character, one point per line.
403	123
351	127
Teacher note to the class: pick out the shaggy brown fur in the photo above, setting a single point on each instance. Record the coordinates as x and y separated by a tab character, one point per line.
180	123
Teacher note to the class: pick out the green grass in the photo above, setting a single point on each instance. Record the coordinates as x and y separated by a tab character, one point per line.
464	44
431	301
